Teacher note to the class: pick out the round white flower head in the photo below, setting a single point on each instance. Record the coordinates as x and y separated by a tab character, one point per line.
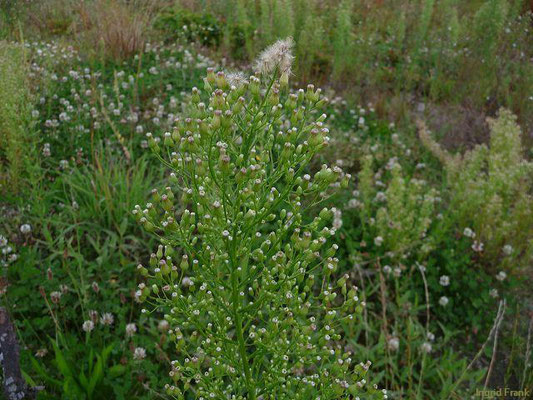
469	233
493	293
443	301
139	353
393	344
88	326
277	56
131	329
507	249
477	246
107	319
163	325
26	228
426	347
501	276
444	280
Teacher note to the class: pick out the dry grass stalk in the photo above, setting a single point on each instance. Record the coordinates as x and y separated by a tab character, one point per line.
494	349
493	333
115	27
528	352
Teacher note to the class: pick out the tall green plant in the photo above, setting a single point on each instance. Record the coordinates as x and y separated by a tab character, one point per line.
342	38
243	277
490	192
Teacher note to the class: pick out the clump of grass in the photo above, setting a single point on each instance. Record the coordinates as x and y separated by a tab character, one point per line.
17	136
105	191
116	29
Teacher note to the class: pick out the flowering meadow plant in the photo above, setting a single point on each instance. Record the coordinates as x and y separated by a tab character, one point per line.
243	276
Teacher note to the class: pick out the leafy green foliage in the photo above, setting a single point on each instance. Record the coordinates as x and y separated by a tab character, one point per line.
430	239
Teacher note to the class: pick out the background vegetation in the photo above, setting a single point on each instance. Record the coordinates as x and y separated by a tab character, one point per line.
430	110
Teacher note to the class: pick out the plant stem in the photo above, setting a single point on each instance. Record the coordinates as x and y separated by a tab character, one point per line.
242	347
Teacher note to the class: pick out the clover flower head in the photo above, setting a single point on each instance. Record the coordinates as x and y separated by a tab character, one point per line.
501	276
139	353
477	246
393	344
88	326
107	319
41	353
25	228
469	233
507	249
131	329
426	347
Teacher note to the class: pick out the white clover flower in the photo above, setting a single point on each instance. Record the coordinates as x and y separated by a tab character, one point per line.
41	353
25	228
163	325
131	329
443	301
469	233
381	196
426	347
507	249
55	297
501	276
3	241
278	56
444	280
477	246
139	353
378	240
430	336
493	293
107	319
88	326
397	272
393	344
